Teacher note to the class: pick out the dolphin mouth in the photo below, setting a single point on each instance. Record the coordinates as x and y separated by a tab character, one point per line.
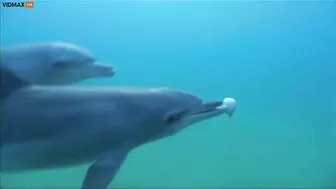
209	109
205	110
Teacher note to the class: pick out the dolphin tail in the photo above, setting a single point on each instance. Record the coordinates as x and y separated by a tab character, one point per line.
9	82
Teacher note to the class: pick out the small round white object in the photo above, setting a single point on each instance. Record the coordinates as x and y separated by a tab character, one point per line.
230	105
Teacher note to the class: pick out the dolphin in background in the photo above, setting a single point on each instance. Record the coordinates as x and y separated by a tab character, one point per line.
47	127
53	63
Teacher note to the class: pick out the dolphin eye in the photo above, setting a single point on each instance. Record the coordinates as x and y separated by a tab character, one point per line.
175	117
61	64
91	59
67	64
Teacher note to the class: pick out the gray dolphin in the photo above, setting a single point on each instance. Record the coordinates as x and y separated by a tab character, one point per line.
52	126
53	63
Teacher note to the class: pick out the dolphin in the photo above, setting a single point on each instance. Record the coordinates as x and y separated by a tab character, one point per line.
47	127
53	63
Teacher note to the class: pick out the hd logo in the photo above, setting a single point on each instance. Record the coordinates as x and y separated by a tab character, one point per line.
27	4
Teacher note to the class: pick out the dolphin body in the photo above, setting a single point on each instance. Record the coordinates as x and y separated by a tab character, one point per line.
46	127
53	63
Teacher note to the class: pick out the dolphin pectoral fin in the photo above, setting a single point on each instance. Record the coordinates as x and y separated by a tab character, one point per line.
9	82
103	170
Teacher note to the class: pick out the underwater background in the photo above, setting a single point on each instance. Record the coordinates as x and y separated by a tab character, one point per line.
276	58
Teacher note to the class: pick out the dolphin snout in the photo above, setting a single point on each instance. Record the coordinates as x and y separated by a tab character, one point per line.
209	106
213	104
103	69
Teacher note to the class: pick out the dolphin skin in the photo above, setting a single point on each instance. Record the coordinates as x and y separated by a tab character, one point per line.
51	127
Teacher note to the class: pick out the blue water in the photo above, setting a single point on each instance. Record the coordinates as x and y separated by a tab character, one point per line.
278	59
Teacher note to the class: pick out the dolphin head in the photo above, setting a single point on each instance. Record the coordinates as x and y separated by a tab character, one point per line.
187	109
178	110
72	63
